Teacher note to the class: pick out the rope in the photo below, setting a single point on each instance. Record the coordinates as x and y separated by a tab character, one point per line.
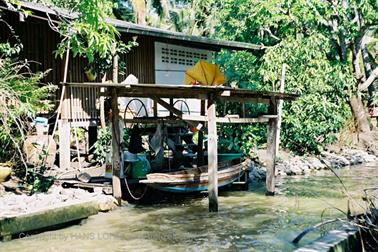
131	194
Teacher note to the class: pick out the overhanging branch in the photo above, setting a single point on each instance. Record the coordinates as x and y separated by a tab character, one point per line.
372	77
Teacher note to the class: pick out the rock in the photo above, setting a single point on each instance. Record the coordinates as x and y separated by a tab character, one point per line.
106	203
316	164
256	172
336	161
91	158
34	147
10	185
2	190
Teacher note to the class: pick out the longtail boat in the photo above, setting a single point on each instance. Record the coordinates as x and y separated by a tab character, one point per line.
196	179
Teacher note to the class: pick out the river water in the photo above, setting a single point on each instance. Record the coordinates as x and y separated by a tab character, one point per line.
247	220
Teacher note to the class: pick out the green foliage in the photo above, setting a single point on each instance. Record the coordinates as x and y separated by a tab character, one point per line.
104	141
90	35
102	145
296	36
21	96
241	138
36	180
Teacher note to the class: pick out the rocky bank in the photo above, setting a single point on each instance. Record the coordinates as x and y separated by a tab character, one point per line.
288	165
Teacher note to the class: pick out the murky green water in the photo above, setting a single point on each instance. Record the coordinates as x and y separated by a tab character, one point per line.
247	220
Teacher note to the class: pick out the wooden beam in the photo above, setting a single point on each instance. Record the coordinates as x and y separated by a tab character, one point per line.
241	120
261	119
188	118
154	120
271	150
188	91
212	150
116	134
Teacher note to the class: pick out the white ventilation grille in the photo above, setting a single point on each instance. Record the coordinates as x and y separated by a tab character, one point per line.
171	62
177	58
181	56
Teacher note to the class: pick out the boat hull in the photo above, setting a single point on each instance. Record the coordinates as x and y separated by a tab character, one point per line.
196	180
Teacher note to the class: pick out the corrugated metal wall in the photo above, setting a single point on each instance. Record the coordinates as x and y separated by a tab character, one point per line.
40	41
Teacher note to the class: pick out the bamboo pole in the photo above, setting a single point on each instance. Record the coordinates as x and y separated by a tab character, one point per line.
64	124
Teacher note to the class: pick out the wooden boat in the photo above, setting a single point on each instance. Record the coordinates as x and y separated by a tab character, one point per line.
196	179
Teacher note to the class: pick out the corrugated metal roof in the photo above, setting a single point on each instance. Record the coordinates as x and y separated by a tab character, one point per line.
160	34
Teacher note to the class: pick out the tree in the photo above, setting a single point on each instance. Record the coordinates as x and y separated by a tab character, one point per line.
322	43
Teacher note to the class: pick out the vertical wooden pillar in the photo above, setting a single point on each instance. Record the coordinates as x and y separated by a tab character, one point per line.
279	108
271	149
212	152
116	134
116	147
155	109
64	131
171	103
92	138
200	157
242	109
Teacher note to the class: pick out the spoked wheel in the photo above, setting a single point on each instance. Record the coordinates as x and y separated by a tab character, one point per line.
182	106
135	108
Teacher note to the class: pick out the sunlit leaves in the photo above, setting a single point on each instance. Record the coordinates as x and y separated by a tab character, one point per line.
90	35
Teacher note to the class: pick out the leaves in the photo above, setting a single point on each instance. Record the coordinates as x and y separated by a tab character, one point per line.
90	35
298	35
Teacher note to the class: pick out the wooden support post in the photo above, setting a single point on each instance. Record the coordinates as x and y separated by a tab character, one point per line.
242	110
116	134
64	132
271	149
171	103
212	152
200	157
279	108
92	138
155	109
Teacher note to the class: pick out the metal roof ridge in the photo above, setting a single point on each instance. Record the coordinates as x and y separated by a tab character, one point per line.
130	27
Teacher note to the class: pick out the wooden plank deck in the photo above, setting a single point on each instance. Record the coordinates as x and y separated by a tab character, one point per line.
189	91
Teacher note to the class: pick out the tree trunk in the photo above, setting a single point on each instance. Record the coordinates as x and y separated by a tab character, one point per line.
368	71
140	11
165	6
359	113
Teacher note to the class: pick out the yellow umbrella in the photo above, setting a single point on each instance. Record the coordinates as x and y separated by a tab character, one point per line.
204	73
